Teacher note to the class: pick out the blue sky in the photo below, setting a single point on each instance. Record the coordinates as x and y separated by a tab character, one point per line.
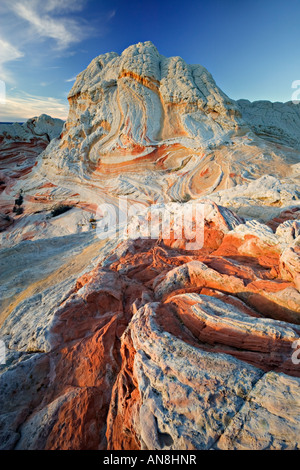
250	47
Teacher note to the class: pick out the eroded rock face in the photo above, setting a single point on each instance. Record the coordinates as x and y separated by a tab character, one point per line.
168	339
43	126
262	199
204	355
20	145
139	98
150	129
278	122
157	129
185	397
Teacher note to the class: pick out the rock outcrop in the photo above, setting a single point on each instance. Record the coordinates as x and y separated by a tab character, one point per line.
203	336
174	325
277	122
20	145
43	126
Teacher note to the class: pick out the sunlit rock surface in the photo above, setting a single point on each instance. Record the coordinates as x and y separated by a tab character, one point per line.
150	336
277	122
20	145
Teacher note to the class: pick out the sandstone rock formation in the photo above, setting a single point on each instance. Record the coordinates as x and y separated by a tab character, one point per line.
278	122
20	145
169	332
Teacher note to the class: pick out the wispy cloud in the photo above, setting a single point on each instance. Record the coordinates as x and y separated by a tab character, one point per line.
8	53
24	106
111	14
65	5
44	84
71	79
47	21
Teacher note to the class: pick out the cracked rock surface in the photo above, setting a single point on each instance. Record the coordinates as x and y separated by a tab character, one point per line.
178	340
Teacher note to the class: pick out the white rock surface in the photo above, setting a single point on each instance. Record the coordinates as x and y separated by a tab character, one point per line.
157	132
42	126
278	122
263	198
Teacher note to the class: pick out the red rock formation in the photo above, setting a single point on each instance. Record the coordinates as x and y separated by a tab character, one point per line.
155	345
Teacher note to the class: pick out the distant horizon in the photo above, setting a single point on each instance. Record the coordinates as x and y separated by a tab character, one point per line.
250	48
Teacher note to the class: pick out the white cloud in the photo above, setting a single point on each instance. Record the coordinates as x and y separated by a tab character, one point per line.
71	79
8	53
111	14
24	106
65	31
25	23
65	5
45	83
